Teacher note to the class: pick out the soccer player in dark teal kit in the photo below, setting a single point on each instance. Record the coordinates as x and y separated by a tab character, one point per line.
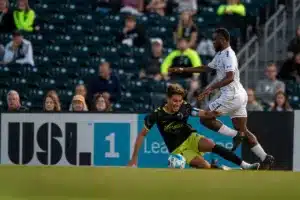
180	137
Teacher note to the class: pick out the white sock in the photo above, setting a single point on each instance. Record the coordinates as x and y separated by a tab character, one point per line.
259	151
245	165
225	130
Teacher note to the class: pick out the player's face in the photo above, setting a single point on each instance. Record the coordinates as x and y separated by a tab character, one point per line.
49	104
217	41
175	102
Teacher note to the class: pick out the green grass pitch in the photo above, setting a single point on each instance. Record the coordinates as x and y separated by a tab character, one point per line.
89	183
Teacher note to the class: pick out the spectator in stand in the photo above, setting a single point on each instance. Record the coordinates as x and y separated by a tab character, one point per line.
14	103
80	89
101	104
134	7
187	29
79	104
7	24
183	56
132	35
233	16
24	16
51	103
187	6
281	103
19	50
206	47
290	69
106	83
151	64
252	104
294	45
157	6
267	88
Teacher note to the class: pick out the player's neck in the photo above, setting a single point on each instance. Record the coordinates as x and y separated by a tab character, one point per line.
225	47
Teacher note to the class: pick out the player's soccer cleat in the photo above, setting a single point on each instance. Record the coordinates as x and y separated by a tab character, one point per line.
268	163
254	166
237	140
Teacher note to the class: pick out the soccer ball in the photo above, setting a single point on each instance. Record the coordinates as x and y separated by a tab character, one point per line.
176	161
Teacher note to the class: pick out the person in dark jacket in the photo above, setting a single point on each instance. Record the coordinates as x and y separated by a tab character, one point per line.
7	24
132	35
106	83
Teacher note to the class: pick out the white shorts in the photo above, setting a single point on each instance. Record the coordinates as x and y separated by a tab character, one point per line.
232	106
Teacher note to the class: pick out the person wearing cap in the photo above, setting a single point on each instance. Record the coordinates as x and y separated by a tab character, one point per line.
79	104
151	64
19	50
131	34
183	56
134	7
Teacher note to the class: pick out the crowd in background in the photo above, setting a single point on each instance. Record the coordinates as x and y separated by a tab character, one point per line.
190	46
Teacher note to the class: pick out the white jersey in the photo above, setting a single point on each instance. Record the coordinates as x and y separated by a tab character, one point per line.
226	61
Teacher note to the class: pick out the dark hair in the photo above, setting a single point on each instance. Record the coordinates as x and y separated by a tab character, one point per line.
224	32
175	89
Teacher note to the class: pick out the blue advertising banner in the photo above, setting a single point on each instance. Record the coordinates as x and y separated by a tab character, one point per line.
155	154
111	144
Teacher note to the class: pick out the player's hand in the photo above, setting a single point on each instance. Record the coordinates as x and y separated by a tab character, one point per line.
132	163
205	93
175	70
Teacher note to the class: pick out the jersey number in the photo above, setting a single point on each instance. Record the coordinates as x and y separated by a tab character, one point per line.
112	147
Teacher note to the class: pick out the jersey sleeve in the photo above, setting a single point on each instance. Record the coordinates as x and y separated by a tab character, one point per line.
150	120
212	64
228	62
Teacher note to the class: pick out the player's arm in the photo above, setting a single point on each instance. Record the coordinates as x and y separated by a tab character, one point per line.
196	112
149	121
138	143
199	69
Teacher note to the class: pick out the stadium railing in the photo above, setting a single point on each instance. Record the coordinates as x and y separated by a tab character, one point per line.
274	39
295	11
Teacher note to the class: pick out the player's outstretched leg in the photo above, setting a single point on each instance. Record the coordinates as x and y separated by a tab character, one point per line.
207	145
240	124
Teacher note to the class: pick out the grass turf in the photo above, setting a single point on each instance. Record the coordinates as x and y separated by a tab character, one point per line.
74	183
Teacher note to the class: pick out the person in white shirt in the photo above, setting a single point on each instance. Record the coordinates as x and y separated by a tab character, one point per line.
233	98
18	50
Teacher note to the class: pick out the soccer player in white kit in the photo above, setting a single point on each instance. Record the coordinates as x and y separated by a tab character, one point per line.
233	98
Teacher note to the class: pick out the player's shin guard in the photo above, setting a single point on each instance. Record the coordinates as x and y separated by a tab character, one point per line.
227	154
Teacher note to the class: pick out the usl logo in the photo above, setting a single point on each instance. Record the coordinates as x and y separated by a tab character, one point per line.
24	142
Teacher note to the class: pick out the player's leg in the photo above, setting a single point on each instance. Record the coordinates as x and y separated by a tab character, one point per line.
207	145
240	124
216	125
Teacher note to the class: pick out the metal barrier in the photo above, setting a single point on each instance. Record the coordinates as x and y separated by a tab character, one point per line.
295	10
275	36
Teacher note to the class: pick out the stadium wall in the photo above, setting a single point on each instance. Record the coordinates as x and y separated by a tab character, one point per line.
93	139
